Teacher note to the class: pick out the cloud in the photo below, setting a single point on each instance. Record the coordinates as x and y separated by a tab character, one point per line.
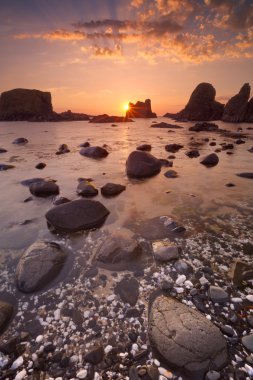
60	34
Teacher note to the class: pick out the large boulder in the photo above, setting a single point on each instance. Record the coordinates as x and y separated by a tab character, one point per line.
94	152
142	164
249	112
6	310
140	109
23	104
78	215
44	189
202	105
236	108
39	265
185	339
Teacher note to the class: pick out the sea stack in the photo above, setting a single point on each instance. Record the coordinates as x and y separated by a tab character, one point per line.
236	108
140	110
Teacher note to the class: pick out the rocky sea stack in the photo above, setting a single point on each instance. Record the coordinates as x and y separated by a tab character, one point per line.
140	109
236	108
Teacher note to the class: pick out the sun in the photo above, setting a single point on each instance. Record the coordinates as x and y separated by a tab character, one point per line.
126	107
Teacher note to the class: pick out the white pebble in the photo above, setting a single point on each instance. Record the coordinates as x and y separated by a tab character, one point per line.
188	284
81	374
249	369
111	297
17	363
203	280
108	349
181	279
249	297
57	314
164	372
236	300
39	338
20	375
157	363
179	290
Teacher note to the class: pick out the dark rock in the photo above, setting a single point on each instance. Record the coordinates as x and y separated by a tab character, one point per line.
39	265
140	110
250	150
249	113
20	140
218	295
63	148
153	372
109	119
227	330
179	335
23	104
6	167
2	150
227	146
164	250
171	174
166	125
142	164
86	189
204	127
128	290
165	163
76	215
236	108
132	313
95	355
241	272
194	153
40	165
94	152
230	184
85	145
247	341
173	148
91	272
240	141
210	160
31	181
133	374
245	175
112	189
72	116
213	143
144	147
6	310
212	375
250	320
182	267
157	228
60	200
44	189
202	105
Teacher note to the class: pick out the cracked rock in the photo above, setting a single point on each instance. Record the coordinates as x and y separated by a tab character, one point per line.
184	339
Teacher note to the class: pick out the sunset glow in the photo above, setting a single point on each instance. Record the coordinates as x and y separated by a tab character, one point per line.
126	107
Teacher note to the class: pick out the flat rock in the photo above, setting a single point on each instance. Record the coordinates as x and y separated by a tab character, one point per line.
245	175
20	140
60	200
31	181
142	164
184	339
78	215
2	150
157	228
210	160
166	125
6	167
112	189
94	152
204	127
170	174
86	189
218	295
39	265
144	147
173	148
164	250
44	189
247	341
6	310
128	290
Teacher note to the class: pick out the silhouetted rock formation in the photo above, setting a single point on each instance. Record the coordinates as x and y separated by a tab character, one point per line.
109	119
23	104
73	116
140	109
249	112
236	108
202	105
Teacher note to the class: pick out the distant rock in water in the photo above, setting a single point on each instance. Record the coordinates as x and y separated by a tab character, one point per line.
94	152
202	105
73	116
23	104
109	119
204	127
236	108
165	125
140	110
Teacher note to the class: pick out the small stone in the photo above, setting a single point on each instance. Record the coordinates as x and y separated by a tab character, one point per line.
20	375
181	279
212	375
82	374
39	339
17	363
40	165
218	295
165	372
249	297
95	355
247	341
164	251
171	174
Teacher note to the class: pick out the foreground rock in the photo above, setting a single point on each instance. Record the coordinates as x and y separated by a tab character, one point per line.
184	339
20	140
128	290
76	216
236	108
202	105
112	189
166	125
210	160
173	148
94	152
86	189
164	250
140	110
39	265
142	165
204	127
109	119
44	189
63	148
144	147
245	175
6	310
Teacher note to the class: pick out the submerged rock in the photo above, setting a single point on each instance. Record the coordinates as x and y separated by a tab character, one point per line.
236	108
20	140
82	214
173	148
194	153
112	189
6	310
142	164
245	175
95	355
144	147
166	125
157	228
164	250
94	152
128	290
39	265
140	110
44	189
6	167
183	338
210	160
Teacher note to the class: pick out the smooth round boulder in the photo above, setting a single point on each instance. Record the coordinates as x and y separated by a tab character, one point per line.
173	148
185	339
44	189
142	165
20	140
112	189
94	152
39	265
86	189
210	160
170	174
40	165
78	215
6	310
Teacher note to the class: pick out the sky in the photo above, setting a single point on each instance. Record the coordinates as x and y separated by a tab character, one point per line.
95	56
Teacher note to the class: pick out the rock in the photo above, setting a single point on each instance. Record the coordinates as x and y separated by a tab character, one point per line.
82	374
194	153
236	108
240	272
86	189
112	189
20	140
218	295
140	110
40	165
164	250
63	148
249	113
247	341
165	163
204	127
171	174
85	145
230	184
78	215
6	311
133	374
182	267
31	181
202	105
95	355
39	265
212	375
128	290
23	104
60	200
165	125
245	175
158	228
2	150
44	189
72	116
250	150
240	141
142	164
173	148
153	372
144	147
179	335
6	167
109	119
94	152
210	160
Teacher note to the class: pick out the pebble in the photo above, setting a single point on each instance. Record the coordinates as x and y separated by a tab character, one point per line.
17	363
20	375
57	314
249	297
236	300
181	279
165	372
247	341
108	349
212	375
82	374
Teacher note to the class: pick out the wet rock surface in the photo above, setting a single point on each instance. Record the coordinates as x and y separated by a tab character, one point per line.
128	290
112	189
142	165
210	160
44	189
166	125
86	189
94	152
